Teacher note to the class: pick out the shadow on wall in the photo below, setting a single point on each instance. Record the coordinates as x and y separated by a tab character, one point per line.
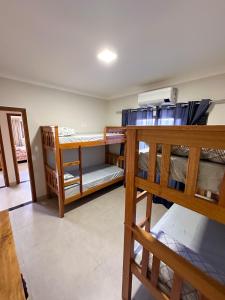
37	157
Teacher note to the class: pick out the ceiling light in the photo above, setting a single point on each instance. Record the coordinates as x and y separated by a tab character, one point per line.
107	56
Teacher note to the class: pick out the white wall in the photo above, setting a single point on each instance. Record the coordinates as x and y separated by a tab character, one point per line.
207	88
51	107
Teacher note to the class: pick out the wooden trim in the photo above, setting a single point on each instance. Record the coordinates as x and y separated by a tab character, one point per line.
8	108
15	163
29	155
3	161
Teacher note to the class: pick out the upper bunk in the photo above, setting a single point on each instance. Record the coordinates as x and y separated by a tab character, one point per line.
54	136
161	142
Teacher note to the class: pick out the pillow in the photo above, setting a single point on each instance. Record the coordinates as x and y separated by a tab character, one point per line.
65	131
214	155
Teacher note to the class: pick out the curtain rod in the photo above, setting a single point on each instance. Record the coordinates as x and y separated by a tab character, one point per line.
214	102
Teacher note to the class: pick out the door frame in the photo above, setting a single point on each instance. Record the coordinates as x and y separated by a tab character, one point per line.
3	161
12	142
28	146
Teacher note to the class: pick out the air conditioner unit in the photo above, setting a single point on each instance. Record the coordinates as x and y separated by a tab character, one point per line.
158	97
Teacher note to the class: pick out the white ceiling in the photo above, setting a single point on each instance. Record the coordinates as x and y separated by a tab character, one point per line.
55	42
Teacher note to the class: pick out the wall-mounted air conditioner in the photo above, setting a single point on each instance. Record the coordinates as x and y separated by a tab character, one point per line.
158	97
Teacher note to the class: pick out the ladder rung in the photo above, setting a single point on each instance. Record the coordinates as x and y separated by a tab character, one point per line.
71	163
67	183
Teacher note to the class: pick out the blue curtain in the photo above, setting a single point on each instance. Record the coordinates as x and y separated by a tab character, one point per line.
191	113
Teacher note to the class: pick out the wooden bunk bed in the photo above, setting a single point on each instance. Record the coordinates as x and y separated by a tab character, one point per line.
70	187
154	252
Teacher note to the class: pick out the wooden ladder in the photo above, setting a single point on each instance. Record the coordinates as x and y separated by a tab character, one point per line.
71	164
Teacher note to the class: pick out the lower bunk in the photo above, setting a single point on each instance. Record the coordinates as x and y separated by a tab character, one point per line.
73	186
193	237
93	179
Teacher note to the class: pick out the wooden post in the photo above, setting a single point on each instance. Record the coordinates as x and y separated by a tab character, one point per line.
130	213
59	168
80	170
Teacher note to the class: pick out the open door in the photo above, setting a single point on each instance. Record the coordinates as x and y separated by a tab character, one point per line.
4	179
18	144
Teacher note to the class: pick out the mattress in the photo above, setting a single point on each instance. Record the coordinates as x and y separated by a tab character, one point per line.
210	173
92	177
87	137
195	237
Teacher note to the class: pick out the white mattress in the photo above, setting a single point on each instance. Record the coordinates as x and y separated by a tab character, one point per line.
205	237
92	177
210	173
86	137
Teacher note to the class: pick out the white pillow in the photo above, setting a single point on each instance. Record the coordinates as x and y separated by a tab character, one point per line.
65	131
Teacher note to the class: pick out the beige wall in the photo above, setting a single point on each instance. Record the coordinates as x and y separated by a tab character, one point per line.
51	107
207	88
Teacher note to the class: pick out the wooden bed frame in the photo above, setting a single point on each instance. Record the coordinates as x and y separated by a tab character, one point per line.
55	177
195	137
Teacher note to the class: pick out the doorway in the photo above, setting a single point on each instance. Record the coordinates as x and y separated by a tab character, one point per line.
4	179
15	138
18	145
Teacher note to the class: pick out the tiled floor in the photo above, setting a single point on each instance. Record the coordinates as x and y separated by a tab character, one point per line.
17	194
23	171
79	256
2	182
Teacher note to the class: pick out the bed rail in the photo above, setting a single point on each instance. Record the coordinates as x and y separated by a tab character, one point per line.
114	135
50	136
196	138
115	159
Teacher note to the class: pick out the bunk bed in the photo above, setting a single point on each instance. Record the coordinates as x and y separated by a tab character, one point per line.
69	180
166	258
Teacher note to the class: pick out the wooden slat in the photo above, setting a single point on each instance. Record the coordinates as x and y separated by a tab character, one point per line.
11	287
145	252
141	196
205	207
80	170
155	270
152	162
158	295
165	165
176	288
183	268
71	163
222	193
192	171
71	182
130	212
